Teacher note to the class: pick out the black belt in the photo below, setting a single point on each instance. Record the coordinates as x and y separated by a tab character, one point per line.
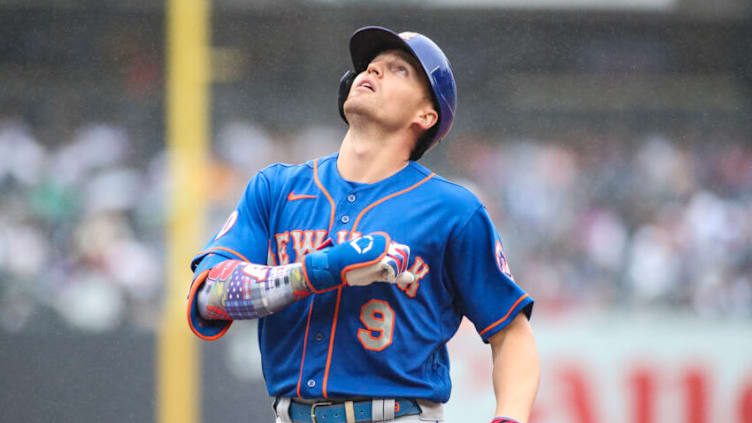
325	412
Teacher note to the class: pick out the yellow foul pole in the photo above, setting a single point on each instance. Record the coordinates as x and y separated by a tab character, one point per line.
178	355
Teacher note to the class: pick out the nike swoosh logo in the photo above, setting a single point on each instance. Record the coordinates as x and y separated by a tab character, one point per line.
292	196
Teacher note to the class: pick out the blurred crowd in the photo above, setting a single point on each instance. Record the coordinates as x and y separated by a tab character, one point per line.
622	220
80	229
598	220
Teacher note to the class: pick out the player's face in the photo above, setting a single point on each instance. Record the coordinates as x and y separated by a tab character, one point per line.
393	91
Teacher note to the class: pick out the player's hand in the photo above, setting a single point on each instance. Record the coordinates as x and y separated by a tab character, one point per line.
359	262
391	268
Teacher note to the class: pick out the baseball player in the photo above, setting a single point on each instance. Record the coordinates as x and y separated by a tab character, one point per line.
359	266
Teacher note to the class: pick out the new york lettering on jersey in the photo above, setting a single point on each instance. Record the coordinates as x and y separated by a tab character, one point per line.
332	342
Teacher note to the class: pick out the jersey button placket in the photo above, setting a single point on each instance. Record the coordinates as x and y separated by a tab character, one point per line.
347	209
313	371
347	212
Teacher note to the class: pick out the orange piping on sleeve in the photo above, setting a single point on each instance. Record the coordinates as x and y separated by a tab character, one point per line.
506	316
194	288
242	257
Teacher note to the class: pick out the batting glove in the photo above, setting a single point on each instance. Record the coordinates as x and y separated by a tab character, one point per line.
391	268
359	262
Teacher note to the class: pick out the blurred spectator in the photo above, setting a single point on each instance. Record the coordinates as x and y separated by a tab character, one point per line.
24	159
622	221
589	220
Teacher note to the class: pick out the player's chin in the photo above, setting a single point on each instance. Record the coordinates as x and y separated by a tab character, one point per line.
355	108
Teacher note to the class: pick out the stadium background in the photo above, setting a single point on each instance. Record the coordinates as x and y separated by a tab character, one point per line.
609	139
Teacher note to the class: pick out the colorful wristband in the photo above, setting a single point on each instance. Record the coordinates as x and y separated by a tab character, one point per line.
504	420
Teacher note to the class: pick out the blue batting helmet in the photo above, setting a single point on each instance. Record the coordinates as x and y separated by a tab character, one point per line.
366	43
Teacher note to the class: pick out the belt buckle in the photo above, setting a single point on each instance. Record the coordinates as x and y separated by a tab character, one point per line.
313	409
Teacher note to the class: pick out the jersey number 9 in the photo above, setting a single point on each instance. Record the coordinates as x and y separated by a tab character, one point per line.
378	318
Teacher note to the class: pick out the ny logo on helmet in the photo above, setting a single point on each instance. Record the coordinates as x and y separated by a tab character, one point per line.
407	35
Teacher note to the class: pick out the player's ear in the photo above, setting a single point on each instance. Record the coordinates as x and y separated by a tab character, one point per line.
427	117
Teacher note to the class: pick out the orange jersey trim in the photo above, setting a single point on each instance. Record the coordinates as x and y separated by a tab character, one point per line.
305	342
242	257
355	225
376	203
326	193
331	343
308	323
506	316
191	296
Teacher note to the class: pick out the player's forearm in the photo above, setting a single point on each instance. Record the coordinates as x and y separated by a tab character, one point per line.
236	290
516	370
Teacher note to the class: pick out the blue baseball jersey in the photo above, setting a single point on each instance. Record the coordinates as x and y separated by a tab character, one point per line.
381	340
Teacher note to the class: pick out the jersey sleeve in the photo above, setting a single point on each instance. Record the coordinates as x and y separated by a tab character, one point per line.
245	234
484	287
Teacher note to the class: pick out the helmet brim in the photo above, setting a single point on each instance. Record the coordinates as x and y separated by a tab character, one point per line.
366	43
